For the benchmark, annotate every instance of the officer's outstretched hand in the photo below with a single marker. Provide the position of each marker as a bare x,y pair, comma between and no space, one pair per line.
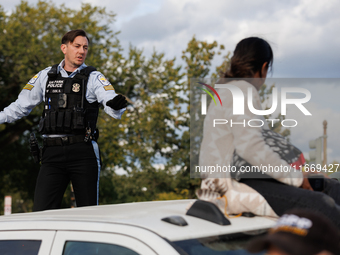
117,103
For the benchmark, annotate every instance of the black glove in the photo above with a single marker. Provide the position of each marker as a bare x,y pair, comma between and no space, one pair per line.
117,103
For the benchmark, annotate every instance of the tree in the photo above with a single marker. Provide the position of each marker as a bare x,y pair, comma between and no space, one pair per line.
154,140
198,56
149,134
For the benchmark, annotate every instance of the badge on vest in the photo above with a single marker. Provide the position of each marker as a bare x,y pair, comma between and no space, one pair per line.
76,87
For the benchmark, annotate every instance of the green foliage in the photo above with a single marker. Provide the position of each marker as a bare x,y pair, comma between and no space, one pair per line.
18,175
147,142
183,194
220,70
198,56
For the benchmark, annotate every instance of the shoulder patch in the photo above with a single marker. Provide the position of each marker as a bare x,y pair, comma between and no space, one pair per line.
109,87
103,80
35,77
28,87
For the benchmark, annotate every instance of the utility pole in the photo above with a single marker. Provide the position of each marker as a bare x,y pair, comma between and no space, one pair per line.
324,143
315,156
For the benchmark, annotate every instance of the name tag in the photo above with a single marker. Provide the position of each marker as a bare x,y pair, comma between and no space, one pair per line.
56,86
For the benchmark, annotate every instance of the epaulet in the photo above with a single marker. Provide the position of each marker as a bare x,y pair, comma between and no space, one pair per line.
53,71
87,70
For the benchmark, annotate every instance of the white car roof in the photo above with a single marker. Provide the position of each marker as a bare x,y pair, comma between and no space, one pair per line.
146,215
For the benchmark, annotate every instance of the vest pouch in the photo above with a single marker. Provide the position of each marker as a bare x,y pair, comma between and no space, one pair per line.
60,121
78,119
68,119
53,121
47,122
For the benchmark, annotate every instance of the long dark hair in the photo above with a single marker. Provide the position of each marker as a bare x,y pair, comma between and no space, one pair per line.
249,56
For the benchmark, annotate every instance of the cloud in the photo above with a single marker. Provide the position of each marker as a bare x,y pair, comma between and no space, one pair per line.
122,8
301,32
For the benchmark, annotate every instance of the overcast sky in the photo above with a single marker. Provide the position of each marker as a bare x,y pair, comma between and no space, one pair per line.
304,34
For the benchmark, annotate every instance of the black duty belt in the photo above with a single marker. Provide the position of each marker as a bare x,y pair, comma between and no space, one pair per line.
59,141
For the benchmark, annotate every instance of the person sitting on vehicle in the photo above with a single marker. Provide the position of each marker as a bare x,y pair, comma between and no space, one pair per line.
239,145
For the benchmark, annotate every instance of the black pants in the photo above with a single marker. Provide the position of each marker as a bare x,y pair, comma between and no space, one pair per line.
282,197
78,163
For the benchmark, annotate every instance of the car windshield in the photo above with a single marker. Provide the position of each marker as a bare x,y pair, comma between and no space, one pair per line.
232,244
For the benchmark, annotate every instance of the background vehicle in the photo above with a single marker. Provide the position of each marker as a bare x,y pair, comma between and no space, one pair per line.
145,228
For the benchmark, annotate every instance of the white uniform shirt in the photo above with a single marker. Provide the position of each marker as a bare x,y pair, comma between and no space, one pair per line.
98,89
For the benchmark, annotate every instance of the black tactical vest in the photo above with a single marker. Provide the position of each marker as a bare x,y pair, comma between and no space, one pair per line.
66,110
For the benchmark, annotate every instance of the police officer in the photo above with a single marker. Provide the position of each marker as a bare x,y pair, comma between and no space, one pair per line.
71,92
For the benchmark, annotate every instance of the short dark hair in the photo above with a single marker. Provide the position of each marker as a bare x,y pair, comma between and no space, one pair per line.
71,35
249,56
